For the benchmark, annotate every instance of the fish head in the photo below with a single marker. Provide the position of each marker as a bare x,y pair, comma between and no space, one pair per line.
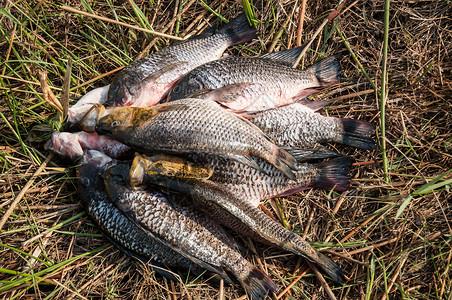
93,163
115,121
167,166
187,87
125,89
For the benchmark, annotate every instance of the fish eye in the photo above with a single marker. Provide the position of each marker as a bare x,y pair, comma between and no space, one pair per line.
176,89
169,174
85,181
115,123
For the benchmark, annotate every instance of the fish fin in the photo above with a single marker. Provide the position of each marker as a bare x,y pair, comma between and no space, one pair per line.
356,134
225,94
309,155
314,105
246,160
158,74
285,162
327,71
258,284
286,57
239,31
330,268
334,174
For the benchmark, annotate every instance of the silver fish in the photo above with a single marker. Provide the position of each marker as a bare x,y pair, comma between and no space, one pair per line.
188,231
188,126
146,81
243,181
114,224
297,125
238,214
250,84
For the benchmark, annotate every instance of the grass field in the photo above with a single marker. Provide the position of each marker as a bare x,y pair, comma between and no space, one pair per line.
390,233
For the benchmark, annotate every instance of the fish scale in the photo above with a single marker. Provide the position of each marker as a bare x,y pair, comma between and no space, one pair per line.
188,230
177,127
297,125
115,225
260,83
146,81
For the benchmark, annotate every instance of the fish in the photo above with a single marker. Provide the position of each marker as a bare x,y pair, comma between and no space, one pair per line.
117,228
297,125
73,144
243,181
238,214
187,230
251,84
146,81
188,126
79,109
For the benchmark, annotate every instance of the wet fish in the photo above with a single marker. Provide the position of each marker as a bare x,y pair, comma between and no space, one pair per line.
79,109
238,214
72,144
298,125
187,230
146,81
243,181
118,229
250,84
188,126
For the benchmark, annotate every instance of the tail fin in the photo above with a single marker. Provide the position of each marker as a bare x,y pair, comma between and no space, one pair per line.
239,30
257,285
334,174
327,70
284,162
357,134
330,268
309,155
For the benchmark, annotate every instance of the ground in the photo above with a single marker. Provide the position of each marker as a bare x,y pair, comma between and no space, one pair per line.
390,233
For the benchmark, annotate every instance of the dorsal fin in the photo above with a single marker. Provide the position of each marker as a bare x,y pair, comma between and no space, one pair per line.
286,57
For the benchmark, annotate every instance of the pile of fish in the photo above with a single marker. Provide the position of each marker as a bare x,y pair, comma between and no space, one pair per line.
185,141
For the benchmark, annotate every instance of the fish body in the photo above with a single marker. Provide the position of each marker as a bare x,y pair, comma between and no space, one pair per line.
146,81
238,214
189,126
250,84
188,231
299,126
243,181
114,224
72,144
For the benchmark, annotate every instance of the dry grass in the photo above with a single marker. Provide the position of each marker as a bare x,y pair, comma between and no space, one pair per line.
393,240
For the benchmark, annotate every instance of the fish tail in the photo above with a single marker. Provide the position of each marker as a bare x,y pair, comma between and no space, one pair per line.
239,30
357,134
328,70
283,161
330,268
334,174
258,284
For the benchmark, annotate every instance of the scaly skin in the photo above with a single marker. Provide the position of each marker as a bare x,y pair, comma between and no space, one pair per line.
115,225
238,214
146,81
189,231
188,126
257,83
